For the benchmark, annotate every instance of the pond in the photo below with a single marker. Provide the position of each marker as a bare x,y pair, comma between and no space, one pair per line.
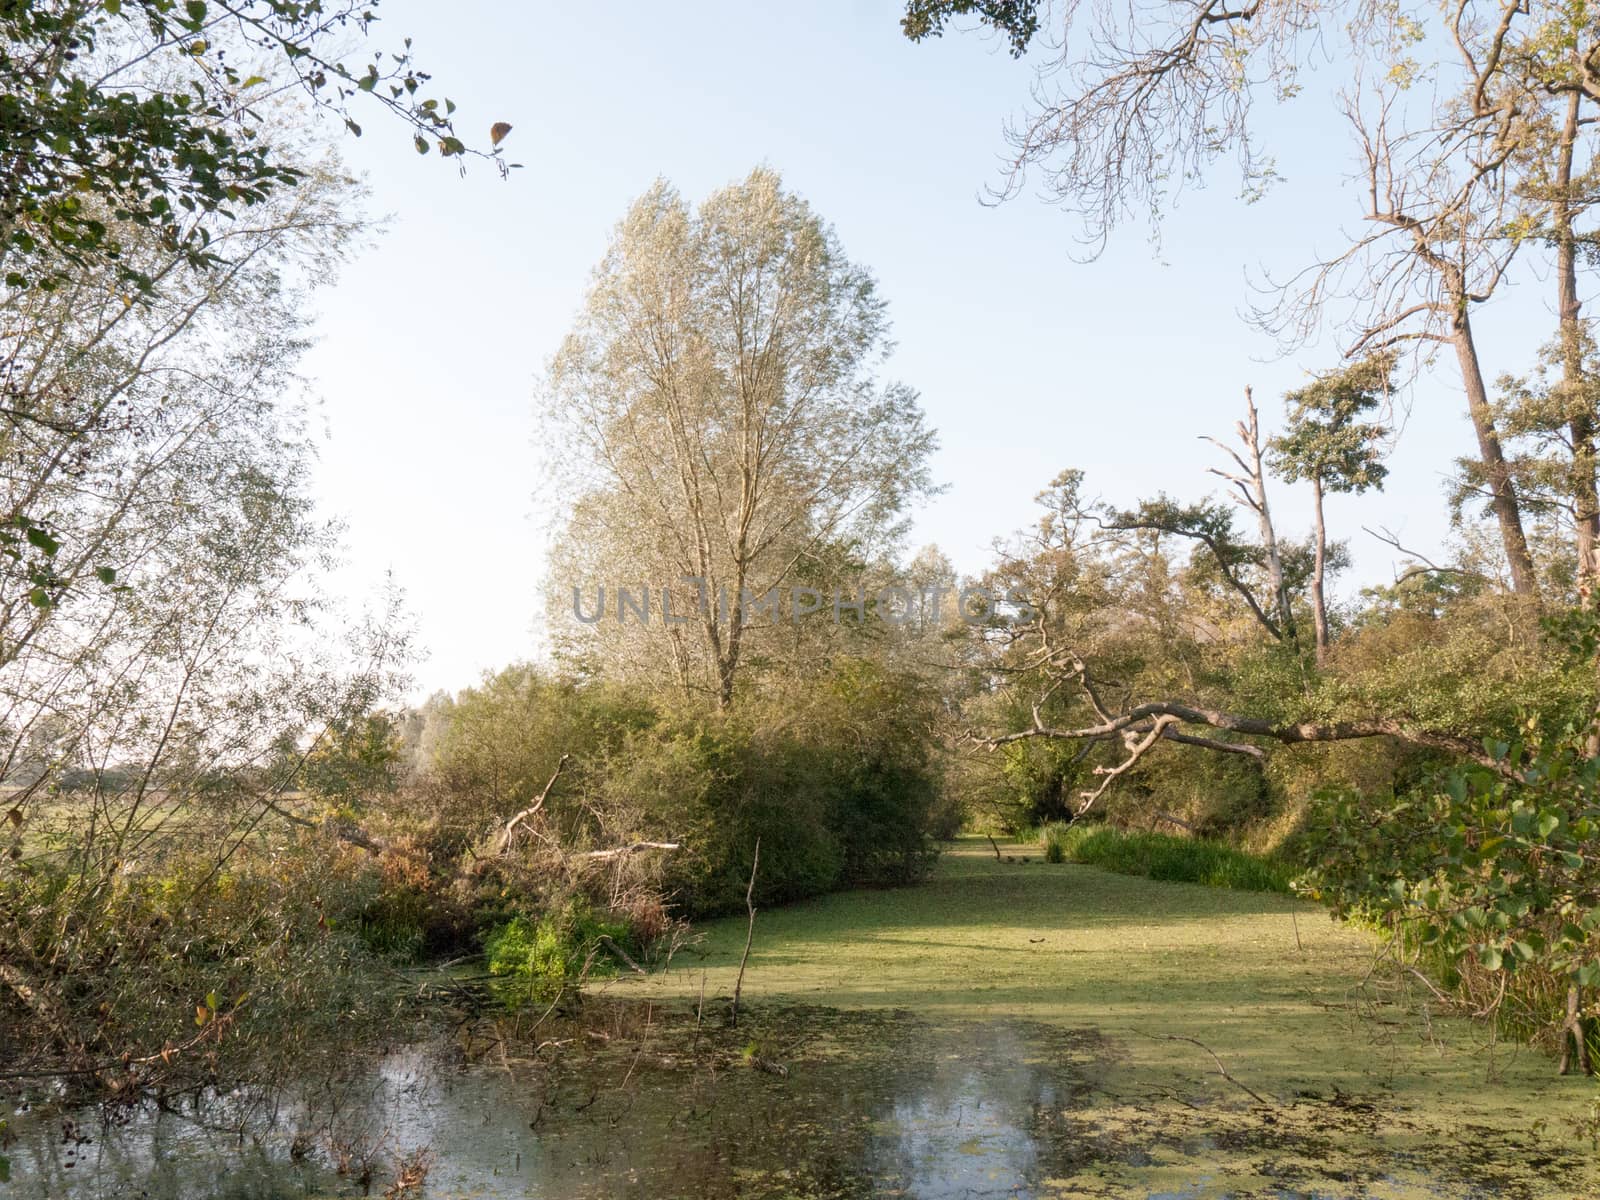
642,1100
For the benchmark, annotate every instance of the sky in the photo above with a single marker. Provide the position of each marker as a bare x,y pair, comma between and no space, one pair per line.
431,343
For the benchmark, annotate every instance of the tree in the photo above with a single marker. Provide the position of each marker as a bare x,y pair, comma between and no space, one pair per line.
1251,491
1330,447
724,430
358,757
137,114
1134,103
184,666
1017,19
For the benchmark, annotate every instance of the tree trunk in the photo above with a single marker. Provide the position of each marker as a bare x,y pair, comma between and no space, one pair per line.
1502,493
1269,535
1319,605
1574,388
1574,1037
1580,417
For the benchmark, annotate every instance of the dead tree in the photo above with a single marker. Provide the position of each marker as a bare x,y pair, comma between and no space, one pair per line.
1437,203
1251,491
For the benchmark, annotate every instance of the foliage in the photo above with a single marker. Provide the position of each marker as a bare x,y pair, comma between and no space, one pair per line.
1017,19
549,953
1326,440
256,969
1053,840
841,783
1495,871
357,757
736,344
1172,859
136,115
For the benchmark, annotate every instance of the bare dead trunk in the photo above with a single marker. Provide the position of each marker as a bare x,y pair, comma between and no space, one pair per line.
1502,493
1319,605
1269,535
1574,389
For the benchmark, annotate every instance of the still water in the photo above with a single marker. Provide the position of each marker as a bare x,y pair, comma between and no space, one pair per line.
641,1102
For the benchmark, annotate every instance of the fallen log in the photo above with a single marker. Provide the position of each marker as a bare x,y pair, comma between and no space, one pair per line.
609,944
624,851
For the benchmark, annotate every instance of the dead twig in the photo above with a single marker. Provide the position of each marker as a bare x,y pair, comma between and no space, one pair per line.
750,933
1221,1067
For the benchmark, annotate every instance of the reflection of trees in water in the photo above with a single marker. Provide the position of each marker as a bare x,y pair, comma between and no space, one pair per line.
984,1119
871,1099
246,1143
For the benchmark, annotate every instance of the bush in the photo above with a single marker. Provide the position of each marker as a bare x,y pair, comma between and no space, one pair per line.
1172,859
840,786
557,949
1488,869
258,966
1053,840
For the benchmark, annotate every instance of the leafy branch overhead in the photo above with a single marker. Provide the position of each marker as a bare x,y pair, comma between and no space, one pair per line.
154,113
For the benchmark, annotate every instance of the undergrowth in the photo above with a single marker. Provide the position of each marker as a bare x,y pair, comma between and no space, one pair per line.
1163,857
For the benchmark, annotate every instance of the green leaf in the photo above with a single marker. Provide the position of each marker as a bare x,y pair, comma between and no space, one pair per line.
5,1163
253,81
113,7
1489,956
421,143
41,539
39,598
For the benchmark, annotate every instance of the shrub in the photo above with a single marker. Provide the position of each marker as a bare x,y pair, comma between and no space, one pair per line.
1053,840
841,787
258,966
549,953
1172,859
1488,869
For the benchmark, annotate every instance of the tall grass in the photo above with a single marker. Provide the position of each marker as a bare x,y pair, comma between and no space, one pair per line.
1161,856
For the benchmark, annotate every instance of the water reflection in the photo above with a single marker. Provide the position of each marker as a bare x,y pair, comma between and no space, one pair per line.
873,1104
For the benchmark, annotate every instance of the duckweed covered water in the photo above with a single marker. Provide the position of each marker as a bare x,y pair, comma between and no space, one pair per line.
1004,1031
634,1101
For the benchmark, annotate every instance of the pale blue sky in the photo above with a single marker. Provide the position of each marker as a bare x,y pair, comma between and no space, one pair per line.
1028,362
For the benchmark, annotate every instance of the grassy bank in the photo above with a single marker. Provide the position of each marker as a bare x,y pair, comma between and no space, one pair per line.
1283,996
1163,857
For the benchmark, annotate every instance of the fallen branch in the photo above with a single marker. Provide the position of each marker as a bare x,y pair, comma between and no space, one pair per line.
606,941
1146,718
750,933
624,851
1222,1069
503,843
1181,824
